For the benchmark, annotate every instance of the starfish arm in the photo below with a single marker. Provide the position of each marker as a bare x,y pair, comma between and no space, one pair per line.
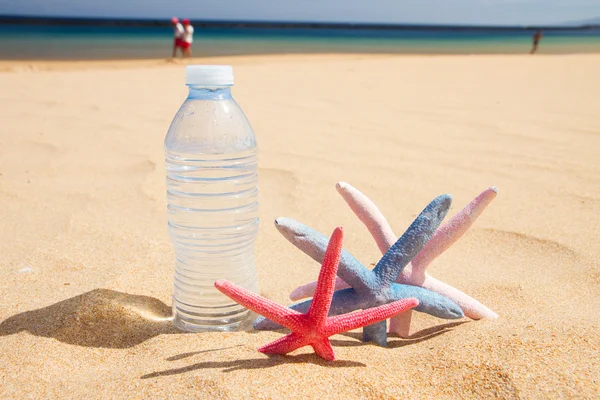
429,302
308,289
285,344
321,302
347,322
470,307
265,324
376,333
400,324
314,244
281,314
323,349
412,241
452,230
343,301
441,240
368,213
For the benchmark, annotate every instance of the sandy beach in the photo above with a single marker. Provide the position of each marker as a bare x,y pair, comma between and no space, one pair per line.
87,265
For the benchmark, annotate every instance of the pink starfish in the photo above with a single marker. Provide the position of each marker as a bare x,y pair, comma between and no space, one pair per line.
314,327
414,273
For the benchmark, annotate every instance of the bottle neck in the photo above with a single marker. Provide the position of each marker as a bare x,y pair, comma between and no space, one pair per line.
209,92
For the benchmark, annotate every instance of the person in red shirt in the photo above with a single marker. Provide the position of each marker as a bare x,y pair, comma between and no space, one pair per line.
188,38
178,35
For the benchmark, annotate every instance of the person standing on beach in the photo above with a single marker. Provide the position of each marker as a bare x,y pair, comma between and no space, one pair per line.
188,38
178,35
536,40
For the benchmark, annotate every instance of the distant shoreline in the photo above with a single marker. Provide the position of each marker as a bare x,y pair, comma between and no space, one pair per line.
8,19
28,38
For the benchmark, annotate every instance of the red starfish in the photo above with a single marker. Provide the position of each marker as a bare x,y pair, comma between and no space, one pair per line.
314,327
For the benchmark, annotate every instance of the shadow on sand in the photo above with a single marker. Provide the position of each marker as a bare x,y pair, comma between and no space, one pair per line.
273,360
99,318
267,361
395,341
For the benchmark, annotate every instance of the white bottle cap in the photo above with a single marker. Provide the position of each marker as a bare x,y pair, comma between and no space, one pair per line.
209,75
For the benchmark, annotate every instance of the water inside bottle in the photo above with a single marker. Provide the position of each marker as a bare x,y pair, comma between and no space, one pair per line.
213,222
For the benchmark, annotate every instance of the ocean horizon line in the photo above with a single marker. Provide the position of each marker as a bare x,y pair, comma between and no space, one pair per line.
211,23
109,38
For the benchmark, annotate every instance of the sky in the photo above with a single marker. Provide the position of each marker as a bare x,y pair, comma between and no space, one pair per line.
470,12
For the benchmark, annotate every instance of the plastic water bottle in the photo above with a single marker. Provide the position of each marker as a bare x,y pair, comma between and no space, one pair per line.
212,195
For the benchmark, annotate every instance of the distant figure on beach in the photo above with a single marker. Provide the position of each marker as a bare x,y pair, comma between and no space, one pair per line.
536,40
188,38
178,36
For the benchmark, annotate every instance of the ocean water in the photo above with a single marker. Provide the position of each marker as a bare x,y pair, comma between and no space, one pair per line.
70,42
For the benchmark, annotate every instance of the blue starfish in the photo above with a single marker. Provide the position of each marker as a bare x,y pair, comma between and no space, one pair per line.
376,287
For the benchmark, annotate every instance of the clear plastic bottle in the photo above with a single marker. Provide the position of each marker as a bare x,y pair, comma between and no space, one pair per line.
212,195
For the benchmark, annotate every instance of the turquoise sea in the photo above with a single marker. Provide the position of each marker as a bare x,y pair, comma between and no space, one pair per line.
23,41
